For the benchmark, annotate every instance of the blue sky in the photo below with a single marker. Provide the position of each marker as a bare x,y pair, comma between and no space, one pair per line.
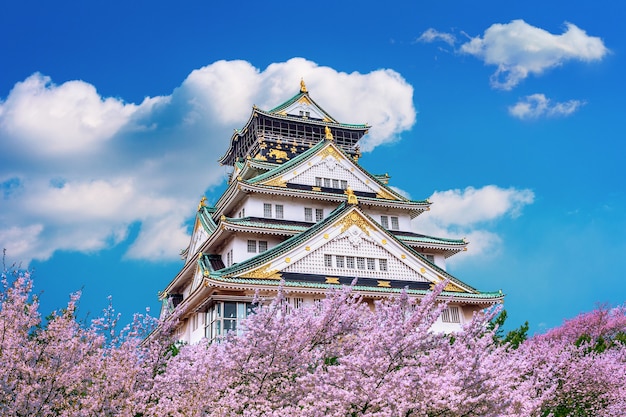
508,116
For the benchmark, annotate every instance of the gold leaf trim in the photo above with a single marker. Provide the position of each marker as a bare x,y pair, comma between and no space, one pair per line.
277,182
385,284
385,195
453,288
354,219
332,280
263,273
330,151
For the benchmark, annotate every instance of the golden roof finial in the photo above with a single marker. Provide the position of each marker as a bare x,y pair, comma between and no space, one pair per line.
302,86
329,134
202,203
351,197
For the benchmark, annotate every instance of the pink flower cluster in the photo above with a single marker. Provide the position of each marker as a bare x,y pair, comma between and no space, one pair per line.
341,358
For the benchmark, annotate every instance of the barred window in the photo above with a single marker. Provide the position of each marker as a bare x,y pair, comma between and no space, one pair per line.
327,182
319,214
344,184
394,223
360,263
251,246
335,183
382,264
350,262
308,214
318,181
262,246
267,210
384,221
371,264
278,208
328,261
451,315
297,302
341,261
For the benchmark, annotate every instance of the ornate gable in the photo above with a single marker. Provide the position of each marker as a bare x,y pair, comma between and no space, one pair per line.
329,168
348,246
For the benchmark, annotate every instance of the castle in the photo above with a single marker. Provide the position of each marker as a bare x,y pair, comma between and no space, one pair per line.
300,210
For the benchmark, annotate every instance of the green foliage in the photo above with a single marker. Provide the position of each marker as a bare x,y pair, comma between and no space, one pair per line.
514,338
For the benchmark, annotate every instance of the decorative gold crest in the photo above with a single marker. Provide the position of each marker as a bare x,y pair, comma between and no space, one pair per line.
263,273
385,284
331,151
354,219
332,280
277,182
453,288
385,195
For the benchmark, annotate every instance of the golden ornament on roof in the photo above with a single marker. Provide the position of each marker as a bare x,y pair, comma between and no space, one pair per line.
202,203
329,134
302,86
351,197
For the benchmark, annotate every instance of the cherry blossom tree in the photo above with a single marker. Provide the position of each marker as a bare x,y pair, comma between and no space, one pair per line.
341,357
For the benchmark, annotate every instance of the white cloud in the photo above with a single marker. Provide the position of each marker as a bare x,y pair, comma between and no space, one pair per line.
471,213
431,35
538,105
78,169
519,49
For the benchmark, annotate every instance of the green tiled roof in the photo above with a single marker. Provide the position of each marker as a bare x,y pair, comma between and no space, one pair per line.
297,97
255,222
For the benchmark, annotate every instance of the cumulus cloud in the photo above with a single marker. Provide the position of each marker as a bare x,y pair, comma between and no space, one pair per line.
468,213
431,35
79,169
538,105
518,49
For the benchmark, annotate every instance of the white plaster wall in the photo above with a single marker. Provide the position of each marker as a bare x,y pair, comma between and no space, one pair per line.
404,220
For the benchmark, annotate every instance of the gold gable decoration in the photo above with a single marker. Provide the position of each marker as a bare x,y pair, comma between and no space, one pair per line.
354,219
385,195
302,86
453,288
263,273
277,182
330,151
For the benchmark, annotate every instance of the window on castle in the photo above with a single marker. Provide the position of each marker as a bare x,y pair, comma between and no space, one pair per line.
267,210
251,246
344,184
308,214
297,302
318,182
262,246
382,264
360,263
451,315
384,222
319,215
341,261
335,183
278,210
328,261
350,262
430,257
371,264
224,317
229,258
327,182
395,225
